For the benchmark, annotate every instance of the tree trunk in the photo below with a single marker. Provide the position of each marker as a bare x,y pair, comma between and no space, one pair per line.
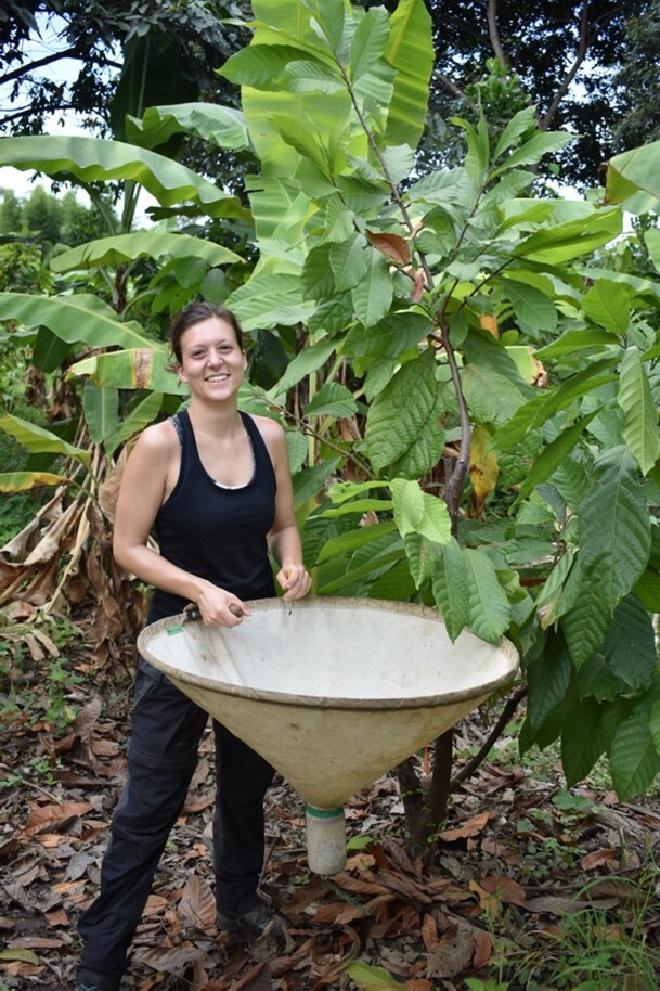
415,808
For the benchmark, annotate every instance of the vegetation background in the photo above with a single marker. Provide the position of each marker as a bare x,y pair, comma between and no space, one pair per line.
452,306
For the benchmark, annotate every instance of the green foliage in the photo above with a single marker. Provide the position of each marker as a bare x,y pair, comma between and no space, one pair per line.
368,314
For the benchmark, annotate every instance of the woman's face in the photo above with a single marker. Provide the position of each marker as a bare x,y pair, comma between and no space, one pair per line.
212,363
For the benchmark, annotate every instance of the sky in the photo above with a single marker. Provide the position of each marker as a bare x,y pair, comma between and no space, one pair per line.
22,182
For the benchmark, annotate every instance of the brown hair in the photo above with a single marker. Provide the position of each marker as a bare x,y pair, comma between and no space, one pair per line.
195,313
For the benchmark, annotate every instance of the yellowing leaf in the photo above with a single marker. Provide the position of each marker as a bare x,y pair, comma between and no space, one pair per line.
483,465
19,481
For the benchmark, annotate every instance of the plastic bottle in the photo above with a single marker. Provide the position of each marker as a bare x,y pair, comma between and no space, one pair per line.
326,840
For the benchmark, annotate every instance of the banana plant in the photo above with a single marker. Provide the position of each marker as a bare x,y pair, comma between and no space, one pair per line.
118,365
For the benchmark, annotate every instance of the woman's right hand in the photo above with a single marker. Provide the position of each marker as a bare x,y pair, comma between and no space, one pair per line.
218,607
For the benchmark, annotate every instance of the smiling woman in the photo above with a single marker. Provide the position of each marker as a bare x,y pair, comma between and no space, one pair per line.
214,484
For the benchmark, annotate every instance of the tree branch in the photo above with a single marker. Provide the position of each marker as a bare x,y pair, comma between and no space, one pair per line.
5,118
449,85
494,33
303,426
572,72
22,70
507,713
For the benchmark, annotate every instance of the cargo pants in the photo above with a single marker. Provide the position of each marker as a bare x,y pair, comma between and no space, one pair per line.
166,728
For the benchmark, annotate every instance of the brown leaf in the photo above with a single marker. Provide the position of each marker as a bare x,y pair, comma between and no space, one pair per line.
483,948
257,978
505,888
105,748
87,717
419,984
361,862
470,828
197,905
454,953
397,853
57,918
488,902
378,905
430,933
19,611
326,913
173,961
419,280
36,943
64,744
33,645
391,245
404,886
598,857
156,904
360,887
45,640
350,914
198,805
42,816
50,841
280,965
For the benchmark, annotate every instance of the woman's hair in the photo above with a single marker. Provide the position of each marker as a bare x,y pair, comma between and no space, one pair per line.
195,313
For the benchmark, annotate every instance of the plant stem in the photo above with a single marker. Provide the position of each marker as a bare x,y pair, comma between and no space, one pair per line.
507,712
456,482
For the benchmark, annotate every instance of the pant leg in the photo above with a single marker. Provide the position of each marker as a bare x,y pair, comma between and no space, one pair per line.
238,829
162,754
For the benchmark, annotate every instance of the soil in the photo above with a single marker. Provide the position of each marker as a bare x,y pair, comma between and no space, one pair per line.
529,885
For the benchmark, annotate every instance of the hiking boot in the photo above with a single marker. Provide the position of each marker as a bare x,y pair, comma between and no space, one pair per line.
93,980
263,928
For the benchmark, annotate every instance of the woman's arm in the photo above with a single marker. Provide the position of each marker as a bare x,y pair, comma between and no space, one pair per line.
284,537
141,493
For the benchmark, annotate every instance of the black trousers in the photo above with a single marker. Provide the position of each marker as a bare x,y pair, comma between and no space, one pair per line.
165,731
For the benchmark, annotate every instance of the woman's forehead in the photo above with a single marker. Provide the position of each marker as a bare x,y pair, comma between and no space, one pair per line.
211,331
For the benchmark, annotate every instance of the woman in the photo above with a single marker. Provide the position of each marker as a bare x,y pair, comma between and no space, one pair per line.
215,486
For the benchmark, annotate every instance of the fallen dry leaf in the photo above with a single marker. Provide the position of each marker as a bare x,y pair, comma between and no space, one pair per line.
430,933
41,816
483,948
505,888
470,828
197,906
173,961
598,857
155,905
57,918
454,953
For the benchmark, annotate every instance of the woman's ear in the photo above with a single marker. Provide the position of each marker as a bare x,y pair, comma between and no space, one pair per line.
180,373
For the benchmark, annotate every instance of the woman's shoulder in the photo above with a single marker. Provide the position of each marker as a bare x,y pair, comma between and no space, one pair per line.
158,439
270,430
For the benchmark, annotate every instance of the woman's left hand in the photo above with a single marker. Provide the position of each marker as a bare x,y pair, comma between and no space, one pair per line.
295,581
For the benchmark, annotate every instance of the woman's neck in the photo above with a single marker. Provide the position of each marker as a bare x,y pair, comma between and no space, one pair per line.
214,419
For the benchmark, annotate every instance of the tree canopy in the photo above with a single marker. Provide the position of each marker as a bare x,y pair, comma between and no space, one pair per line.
587,67
572,59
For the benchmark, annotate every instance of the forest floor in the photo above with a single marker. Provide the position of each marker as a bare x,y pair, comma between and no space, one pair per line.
530,885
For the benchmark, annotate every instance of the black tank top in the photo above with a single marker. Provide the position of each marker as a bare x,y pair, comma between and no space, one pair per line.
214,532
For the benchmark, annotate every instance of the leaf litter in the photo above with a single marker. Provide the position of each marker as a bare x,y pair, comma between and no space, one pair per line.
516,856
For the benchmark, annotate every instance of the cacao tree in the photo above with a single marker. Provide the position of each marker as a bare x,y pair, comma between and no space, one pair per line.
468,381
